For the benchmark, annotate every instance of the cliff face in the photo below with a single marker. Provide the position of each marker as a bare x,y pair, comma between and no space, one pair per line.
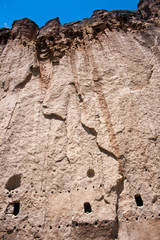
80,134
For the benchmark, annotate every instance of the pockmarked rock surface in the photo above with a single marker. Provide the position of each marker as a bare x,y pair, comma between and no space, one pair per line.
80,127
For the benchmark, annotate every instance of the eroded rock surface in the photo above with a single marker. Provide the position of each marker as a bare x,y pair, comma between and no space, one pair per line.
80,133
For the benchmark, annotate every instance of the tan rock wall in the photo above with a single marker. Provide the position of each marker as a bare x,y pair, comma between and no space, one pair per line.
79,140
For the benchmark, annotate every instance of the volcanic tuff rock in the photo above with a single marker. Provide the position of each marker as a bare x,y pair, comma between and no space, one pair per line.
80,132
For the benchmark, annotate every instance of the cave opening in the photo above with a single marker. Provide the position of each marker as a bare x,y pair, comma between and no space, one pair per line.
16,208
87,207
138,200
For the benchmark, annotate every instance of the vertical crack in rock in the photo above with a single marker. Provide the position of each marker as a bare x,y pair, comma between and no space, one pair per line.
10,119
102,102
106,113
8,125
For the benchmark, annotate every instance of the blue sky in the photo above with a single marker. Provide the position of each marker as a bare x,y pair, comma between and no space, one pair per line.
41,11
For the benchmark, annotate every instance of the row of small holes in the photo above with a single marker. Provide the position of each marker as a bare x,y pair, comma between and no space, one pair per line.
127,219
74,225
55,192
82,224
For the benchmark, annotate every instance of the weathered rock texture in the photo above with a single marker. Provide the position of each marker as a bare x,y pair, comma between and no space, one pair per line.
80,128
